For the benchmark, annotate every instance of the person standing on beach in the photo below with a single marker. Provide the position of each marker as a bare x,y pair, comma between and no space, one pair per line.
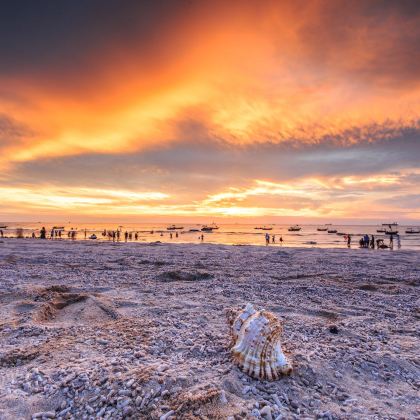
136,236
273,239
125,236
281,240
398,241
267,238
372,242
1,233
391,241
43,233
348,241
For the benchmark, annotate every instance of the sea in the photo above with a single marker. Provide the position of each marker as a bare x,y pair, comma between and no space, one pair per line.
230,234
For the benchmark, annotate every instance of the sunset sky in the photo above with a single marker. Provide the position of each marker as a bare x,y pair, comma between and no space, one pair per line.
210,110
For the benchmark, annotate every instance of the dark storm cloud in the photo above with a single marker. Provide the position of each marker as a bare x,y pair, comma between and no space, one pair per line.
373,41
65,35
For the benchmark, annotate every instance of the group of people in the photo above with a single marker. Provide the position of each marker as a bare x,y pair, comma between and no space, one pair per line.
273,239
369,242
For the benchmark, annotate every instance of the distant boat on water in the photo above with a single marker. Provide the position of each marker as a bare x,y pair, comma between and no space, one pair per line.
321,229
206,228
295,228
332,230
174,227
412,230
380,230
58,227
3,227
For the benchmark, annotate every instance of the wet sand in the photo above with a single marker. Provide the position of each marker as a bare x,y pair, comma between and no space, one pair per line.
117,330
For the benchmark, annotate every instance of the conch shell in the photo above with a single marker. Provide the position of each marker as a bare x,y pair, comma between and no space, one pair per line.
256,345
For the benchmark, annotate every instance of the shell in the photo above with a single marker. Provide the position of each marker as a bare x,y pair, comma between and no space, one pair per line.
256,347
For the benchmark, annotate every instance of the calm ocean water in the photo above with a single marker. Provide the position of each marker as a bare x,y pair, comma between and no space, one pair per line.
232,234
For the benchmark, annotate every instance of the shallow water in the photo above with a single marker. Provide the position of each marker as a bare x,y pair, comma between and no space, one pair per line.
232,234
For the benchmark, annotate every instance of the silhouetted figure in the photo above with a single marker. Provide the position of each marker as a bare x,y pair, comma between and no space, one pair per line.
267,238
348,241
43,233
1,233
391,241
33,235
273,239
126,236
136,236
372,242
398,241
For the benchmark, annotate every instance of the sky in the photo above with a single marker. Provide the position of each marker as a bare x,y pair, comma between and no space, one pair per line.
305,111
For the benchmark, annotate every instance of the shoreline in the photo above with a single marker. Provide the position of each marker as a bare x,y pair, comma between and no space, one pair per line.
139,242
141,331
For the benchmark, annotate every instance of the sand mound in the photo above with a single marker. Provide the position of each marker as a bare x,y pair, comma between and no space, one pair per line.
74,309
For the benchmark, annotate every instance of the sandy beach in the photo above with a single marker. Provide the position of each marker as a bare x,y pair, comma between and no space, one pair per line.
116,330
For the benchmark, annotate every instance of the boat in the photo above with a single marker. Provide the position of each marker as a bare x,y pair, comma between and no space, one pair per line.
322,229
3,227
341,233
206,228
295,228
412,230
194,230
391,232
267,228
390,224
174,227
332,231
58,227
380,230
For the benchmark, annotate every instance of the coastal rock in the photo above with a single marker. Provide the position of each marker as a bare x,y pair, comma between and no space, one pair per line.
256,344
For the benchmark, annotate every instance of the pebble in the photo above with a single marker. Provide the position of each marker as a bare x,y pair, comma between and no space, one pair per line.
167,415
266,412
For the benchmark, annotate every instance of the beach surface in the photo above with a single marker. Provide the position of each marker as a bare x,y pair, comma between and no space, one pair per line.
136,330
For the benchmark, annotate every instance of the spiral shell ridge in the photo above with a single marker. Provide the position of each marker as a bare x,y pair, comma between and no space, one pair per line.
256,344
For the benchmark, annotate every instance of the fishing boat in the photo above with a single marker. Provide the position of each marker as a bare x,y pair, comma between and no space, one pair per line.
295,228
390,224
412,230
3,227
391,232
321,229
266,228
380,230
332,231
206,228
194,230
174,227
58,227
